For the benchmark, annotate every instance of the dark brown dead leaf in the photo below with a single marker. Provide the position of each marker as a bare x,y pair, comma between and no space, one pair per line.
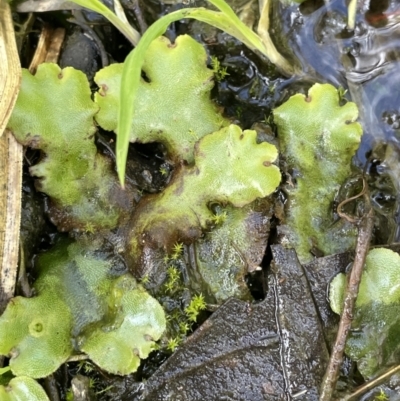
252,352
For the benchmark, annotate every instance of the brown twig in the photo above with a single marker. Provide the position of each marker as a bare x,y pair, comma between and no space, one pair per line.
348,200
371,384
365,226
48,47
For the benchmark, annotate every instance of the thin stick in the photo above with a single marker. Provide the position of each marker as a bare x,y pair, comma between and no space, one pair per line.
365,226
351,14
10,214
76,358
371,384
348,200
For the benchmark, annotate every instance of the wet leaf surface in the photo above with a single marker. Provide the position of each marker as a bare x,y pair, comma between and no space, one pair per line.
251,352
221,259
319,274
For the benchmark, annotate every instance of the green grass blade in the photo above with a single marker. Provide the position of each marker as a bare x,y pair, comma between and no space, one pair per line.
235,28
130,81
225,8
225,19
132,70
95,5
4,370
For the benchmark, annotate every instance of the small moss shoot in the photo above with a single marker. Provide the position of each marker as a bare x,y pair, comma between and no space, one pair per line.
180,318
381,396
177,250
196,305
173,343
219,72
163,171
69,395
219,218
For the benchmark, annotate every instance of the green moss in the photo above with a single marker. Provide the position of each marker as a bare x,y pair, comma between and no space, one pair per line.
230,168
318,138
86,299
373,342
173,104
54,113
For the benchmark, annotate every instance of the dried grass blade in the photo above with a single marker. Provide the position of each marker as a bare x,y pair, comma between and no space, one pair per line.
10,68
